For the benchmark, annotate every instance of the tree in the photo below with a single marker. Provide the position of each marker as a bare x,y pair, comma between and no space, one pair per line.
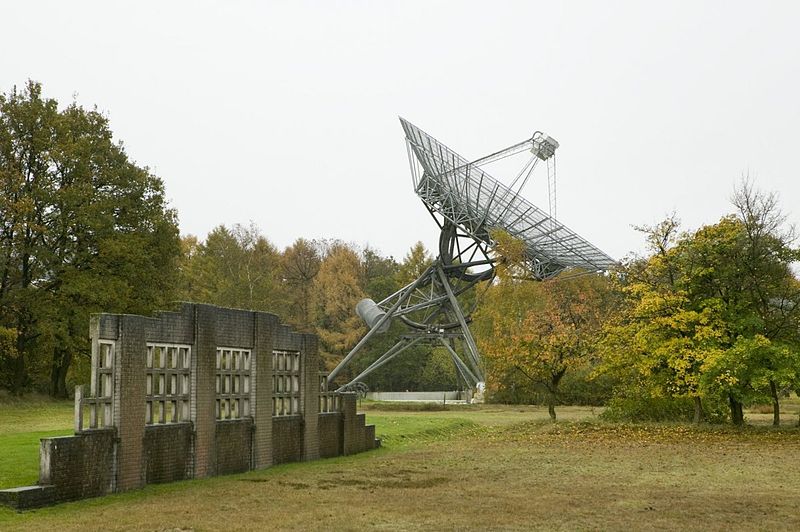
439,373
381,277
660,339
414,264
235,267
299,266
190,278
83,229
751,369
380,274
774,290
742,265
8,356
336,290
540,329
714,313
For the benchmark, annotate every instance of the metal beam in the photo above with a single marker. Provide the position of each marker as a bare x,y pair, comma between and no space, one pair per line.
462,367
346,360
384,358
472,349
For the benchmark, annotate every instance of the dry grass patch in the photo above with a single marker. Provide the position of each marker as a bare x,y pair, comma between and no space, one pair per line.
453,473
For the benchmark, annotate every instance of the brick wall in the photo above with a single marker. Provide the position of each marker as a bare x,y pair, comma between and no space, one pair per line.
132,452
129,405
265,325
233,446
203,389
330,435
78,466
310,396
287,439
356,435
168,453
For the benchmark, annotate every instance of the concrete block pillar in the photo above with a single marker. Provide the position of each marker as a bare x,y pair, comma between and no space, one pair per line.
350,435
261,393
129,408
204,353
309,397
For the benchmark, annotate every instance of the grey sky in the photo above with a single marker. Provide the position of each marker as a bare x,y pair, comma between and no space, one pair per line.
285,113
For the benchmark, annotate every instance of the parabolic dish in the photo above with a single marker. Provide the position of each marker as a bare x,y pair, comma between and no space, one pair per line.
477,203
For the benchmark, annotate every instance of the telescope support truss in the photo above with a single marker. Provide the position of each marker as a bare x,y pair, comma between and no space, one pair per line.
431,311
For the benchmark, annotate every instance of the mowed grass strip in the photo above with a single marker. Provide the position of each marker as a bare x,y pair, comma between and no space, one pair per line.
34,413
23,422
456,470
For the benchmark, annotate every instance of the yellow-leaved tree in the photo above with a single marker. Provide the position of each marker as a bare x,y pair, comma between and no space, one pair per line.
540,329
336,290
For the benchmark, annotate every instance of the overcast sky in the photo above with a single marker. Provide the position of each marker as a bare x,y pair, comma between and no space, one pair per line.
285,113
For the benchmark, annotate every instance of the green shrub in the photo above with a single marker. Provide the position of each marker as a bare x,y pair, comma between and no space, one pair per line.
577,388
645,408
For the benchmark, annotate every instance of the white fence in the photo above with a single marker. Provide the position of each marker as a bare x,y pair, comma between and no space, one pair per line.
425,397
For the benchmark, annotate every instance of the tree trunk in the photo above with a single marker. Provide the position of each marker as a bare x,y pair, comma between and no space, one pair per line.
551,407
19,376
737,414
62,359
776,407
699,415
552,393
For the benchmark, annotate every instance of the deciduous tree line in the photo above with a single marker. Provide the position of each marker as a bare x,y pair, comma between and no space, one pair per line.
710,316
314,286
83,229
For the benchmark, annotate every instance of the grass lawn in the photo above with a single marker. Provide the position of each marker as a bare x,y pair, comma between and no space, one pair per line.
491,467
23,422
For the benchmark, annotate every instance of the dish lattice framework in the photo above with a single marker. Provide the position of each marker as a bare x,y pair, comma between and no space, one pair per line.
477,203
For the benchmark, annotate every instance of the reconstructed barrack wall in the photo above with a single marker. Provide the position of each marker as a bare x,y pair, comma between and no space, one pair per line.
189,394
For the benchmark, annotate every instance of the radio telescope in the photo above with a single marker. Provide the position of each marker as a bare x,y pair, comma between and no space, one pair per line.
467,205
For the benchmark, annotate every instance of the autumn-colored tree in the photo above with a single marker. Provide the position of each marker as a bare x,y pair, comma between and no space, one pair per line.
660,340
336,290
540,329
714,313
300,265
414,263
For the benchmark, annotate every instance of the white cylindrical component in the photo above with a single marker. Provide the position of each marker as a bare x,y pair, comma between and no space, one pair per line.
371,313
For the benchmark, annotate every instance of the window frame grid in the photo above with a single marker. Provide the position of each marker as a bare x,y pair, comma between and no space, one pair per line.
100,402
234,403
285,402
329,402
175,396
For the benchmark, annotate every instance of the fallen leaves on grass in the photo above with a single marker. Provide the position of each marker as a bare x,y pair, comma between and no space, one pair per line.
645,434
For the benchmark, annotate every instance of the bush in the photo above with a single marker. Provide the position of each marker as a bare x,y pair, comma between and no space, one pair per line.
8,356
577,388
644,408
